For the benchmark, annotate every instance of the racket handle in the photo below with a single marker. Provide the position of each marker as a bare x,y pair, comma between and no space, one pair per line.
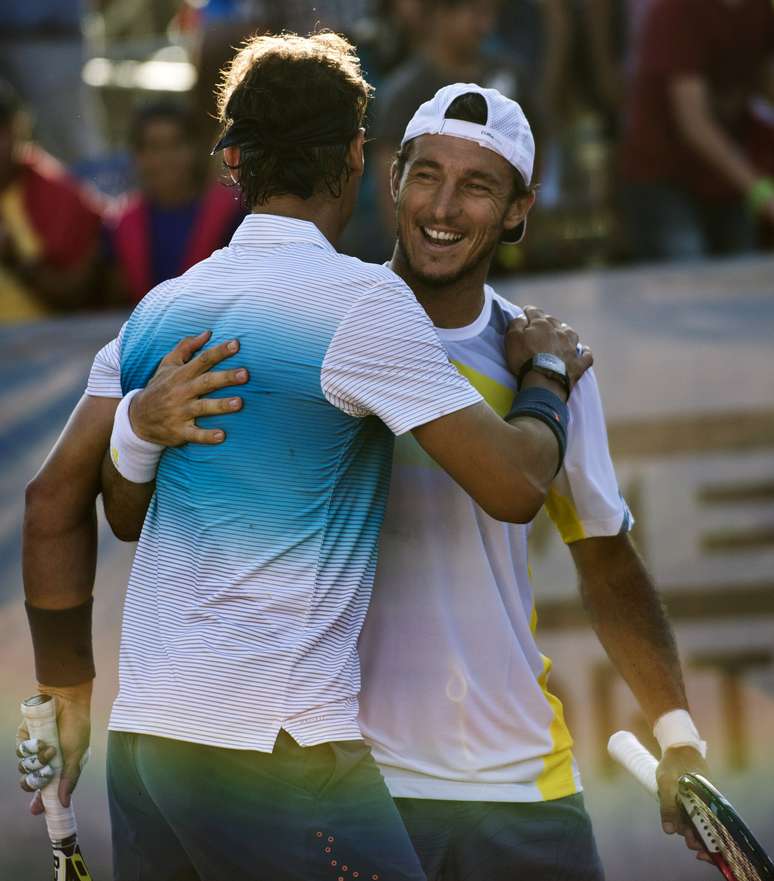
624,747
39,712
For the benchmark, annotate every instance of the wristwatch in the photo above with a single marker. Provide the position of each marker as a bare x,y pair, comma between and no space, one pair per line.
550,366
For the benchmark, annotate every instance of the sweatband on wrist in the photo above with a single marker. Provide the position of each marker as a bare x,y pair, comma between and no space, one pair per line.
760,193
61,640
135,459
550,409
676,728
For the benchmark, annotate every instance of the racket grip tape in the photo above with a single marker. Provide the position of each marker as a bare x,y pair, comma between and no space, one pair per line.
624,747
39,713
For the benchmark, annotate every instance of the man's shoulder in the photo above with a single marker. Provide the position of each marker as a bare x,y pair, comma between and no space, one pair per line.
153,303
363,278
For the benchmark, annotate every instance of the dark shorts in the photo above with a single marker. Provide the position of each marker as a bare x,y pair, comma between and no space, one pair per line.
184,812
503,841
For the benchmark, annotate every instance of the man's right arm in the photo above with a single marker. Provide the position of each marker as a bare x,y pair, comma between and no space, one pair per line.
386,359
508,467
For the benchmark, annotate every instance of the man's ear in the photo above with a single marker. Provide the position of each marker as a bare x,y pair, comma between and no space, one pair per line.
394,180
232,156
518,210
355,157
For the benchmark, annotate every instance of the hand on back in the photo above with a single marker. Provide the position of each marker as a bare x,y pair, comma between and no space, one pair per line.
165,411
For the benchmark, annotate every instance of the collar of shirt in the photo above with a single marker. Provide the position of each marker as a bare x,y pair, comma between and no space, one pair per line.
274,229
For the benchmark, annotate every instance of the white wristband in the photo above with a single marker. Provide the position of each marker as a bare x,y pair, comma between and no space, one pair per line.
676,728
135,459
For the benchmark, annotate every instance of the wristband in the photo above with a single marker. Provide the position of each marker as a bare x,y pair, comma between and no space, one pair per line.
550,409
760,193
135,459
61,640
676,728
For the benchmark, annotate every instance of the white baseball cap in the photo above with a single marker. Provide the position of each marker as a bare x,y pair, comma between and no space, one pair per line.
506,131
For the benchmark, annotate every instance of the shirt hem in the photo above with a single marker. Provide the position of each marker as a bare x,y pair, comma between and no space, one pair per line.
436,789
94,393
334,731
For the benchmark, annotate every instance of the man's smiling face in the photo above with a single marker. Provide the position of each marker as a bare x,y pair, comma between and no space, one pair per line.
453,200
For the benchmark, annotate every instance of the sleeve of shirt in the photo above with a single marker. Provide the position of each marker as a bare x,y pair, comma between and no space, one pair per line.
386,360
584,500
105,375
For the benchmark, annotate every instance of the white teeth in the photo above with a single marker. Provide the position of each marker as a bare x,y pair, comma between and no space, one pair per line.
441,236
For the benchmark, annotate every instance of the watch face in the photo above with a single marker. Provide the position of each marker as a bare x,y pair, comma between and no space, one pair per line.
550,362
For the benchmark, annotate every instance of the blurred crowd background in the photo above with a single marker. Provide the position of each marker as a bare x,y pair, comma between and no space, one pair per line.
654,121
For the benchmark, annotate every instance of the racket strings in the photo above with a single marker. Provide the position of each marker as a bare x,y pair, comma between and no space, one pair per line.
704,819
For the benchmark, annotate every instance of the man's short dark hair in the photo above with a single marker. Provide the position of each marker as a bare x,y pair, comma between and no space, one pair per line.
294,104
470,107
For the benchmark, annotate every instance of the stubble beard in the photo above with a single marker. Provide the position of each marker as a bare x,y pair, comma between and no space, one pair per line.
441,281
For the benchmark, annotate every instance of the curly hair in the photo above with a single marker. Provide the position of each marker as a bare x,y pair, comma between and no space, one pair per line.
293,105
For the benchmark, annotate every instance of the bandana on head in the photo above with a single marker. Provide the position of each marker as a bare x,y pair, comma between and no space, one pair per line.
250,132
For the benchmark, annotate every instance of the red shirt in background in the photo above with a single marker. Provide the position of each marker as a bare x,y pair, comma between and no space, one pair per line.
725,44
65,217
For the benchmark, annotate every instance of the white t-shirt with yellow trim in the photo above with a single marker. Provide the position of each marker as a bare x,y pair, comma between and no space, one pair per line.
455,701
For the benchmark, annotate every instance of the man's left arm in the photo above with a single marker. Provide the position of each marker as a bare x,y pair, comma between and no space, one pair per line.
619,595
630,621
629,618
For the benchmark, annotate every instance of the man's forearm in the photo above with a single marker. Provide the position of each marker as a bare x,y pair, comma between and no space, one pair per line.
58,562
630,621
59,537
126,503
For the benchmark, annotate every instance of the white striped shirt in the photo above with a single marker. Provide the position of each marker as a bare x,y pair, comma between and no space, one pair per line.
255,564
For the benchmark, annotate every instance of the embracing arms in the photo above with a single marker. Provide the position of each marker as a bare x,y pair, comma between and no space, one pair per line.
508,466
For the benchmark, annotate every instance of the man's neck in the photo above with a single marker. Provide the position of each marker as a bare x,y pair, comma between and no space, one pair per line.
325,214
454,305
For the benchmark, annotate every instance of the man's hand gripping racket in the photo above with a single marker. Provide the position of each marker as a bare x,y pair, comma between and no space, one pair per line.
730,844
39,713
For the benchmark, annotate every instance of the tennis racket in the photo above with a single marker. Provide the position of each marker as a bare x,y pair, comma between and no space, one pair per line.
725,836
39,712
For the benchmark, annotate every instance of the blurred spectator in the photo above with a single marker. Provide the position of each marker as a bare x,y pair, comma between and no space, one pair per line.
42,53
450,48
177,218
388,36
691,187
49,227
